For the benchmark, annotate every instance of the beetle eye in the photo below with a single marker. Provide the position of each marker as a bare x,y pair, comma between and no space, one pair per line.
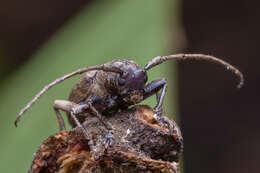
121,81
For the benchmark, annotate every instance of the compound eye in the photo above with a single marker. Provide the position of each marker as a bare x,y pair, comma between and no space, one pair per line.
121,81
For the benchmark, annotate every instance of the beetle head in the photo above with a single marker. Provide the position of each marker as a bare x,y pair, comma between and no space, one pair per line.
133,80
131,85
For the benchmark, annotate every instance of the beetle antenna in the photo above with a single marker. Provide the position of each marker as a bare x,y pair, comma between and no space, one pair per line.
61,79
160,59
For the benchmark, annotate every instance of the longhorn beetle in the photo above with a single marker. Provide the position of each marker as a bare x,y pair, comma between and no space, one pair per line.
112,86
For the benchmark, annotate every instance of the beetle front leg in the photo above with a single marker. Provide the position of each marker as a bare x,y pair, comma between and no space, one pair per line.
154,87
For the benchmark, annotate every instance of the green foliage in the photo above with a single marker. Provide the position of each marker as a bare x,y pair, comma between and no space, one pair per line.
138,30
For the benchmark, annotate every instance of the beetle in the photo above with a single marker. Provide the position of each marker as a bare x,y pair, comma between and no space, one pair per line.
113,86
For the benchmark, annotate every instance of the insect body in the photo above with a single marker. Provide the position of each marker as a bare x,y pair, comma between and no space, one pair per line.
109,91
112,86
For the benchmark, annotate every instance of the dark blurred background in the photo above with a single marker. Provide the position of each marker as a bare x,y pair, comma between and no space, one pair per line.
26,25
220,123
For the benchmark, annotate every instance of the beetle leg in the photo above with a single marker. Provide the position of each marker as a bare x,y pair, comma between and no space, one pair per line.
154,87
100,117
73,108
89,104
157,96
109,134
109,139
60,119
65,106
85,131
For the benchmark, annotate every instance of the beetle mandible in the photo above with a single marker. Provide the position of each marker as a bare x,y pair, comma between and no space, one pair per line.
112,86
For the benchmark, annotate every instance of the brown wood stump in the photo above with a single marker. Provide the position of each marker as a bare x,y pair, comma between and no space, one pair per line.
140,145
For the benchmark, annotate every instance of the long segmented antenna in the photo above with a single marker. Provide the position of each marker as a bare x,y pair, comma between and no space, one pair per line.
160,59
61,79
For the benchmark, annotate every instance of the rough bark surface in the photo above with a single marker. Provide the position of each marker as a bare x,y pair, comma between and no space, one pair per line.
140,145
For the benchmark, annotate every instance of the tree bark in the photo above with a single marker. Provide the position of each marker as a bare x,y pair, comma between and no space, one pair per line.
141,144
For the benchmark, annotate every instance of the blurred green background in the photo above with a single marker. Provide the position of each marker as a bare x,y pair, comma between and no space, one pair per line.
138,30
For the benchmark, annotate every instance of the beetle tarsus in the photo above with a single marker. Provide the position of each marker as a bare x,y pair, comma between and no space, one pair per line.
158,115
109,139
